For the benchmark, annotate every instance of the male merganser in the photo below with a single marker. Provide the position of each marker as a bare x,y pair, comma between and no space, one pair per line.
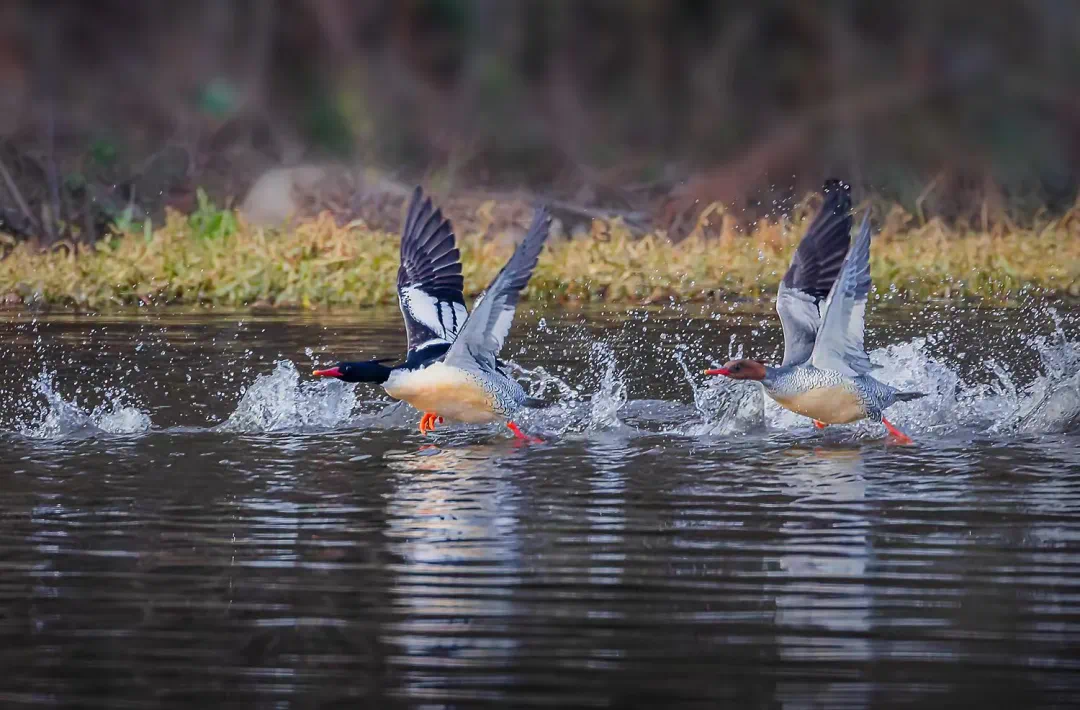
471,386
468,385
824,374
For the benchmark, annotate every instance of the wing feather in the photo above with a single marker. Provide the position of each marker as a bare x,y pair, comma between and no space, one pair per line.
429,280
813,271
485,331
839,345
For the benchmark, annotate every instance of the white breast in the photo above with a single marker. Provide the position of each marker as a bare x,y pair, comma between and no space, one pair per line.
450,392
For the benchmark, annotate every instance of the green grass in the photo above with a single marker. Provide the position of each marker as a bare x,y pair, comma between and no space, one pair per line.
213,257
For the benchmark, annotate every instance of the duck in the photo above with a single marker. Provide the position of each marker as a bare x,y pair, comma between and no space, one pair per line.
451,369
825,373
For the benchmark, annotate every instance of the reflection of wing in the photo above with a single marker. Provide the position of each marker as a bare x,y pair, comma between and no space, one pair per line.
482,336
429,278
839,344
812,272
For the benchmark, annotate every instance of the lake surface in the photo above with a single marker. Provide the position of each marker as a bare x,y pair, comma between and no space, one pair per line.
187,517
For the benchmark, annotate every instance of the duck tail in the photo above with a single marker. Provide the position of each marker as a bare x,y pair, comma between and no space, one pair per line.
908,396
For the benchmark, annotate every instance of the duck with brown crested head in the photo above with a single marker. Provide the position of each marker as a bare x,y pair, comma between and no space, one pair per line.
822,306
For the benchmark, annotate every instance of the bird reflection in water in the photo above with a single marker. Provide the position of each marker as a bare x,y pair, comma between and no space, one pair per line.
453,521
829,485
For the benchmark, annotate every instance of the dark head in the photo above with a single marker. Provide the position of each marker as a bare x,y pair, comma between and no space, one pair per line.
367,371
741,370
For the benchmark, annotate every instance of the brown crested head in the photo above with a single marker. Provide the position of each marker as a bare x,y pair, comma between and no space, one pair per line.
741,370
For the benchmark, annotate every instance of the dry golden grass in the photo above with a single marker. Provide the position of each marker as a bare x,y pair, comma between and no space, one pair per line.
215,258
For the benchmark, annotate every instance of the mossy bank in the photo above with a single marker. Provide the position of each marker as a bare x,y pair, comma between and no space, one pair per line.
213,257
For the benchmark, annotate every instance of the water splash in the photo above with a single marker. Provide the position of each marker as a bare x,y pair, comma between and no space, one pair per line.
1031,386
725,406
59,417
1052,402
610,395
280,401
575,410
538,382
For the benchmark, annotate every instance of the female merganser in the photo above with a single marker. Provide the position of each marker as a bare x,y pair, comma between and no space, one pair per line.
471,385
824,374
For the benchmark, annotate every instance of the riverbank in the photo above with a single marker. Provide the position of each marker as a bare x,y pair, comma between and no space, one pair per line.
215,258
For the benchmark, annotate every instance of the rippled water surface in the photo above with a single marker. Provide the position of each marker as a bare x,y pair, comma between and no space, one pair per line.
187,517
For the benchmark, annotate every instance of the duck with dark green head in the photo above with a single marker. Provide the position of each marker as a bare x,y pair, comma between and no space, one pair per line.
471,385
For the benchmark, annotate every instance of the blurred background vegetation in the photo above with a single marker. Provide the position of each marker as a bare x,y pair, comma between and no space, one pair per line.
111,110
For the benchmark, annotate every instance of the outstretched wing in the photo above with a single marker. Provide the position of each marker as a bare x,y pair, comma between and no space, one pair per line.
480,340
429,279
813,271
839,345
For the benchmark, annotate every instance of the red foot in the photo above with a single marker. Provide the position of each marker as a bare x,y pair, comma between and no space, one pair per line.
524,437
820,425
901,437
427,422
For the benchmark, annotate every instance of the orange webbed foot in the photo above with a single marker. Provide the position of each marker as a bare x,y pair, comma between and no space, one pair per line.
427,422
820,425
899,436
518,434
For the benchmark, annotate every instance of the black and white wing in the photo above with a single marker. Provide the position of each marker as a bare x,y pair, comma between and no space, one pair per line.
429,279
813,271
839,344
480,340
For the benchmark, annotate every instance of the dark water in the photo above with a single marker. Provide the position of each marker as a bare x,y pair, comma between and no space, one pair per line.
186,518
